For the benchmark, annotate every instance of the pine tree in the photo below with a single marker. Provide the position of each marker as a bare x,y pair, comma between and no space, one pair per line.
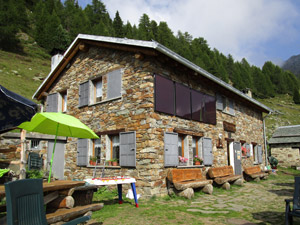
296,96
118,26
144,30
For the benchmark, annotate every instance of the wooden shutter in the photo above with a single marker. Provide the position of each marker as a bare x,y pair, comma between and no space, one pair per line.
171,149
237,158
248,149
52,103
84,94
259,154
128,149
231,106
114,80
219,102
82,152
207,151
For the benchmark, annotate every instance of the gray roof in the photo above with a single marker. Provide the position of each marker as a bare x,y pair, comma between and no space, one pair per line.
286,134
162,49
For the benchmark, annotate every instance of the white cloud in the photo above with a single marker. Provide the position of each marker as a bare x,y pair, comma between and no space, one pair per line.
236,27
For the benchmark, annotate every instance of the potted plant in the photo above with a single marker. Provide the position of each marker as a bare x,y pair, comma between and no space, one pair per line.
198,160
115,162
182,160
93,160
244,151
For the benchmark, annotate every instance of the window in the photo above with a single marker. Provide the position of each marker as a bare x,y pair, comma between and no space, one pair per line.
181,145
183,101
97,90
224,104
63,101
164,95
176,99
115,147
92,91
35,144
195,146
170,149
97,150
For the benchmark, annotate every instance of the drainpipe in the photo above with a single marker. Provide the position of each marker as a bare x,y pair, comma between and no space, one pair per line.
265,138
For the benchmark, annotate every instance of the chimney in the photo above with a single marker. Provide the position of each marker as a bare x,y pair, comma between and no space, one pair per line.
57,55
247,91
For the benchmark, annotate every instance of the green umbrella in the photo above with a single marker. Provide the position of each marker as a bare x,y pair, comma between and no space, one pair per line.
58,124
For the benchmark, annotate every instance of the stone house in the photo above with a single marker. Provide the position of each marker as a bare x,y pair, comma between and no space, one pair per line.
149,106
285,145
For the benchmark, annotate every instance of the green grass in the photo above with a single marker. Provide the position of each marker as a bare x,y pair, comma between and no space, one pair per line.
20,72
253,196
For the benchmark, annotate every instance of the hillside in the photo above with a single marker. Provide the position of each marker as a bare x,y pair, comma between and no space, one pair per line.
293,65
23,73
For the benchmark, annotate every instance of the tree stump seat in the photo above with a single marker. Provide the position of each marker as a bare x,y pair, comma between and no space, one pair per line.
187,178
222,175
254,172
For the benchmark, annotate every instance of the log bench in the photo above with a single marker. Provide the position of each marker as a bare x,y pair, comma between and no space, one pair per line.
184,179
224,176
69,214
254,173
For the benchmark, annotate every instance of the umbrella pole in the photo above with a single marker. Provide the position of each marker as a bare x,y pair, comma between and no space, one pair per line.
49,178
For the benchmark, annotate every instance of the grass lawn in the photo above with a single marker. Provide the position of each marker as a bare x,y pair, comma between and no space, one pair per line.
254,203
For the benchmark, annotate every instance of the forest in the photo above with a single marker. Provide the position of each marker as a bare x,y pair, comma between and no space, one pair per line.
55,24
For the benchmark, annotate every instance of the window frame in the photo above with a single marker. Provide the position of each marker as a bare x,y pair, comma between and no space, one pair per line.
64,101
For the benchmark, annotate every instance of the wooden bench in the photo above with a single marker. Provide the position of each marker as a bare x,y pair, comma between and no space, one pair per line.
69,214
224,175
254,173
183,179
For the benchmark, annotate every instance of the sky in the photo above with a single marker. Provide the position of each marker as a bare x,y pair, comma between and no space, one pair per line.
258,30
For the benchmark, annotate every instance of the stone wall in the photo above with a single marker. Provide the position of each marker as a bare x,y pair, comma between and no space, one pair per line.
134,111
286,155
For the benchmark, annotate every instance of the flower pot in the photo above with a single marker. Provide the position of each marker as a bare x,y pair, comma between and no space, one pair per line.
110,163
197,163
182,163
92,163
115,163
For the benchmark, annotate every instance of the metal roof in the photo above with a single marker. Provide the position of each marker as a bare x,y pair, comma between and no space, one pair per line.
286,134
160,48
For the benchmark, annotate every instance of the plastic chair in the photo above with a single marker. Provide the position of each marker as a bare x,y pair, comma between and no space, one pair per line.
289,213
25,203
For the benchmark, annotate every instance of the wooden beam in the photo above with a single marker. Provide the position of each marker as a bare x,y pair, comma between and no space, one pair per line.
108,132
189,132
83,47
128,48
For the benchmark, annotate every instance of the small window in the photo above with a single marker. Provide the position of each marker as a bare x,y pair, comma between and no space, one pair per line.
97,150
35,145
97,86
195,146
63,101
181,145
115,147
224,104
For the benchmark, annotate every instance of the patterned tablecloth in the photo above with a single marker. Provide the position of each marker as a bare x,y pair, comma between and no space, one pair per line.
110,180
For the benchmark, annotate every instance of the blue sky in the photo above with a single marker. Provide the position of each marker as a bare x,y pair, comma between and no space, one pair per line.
258,30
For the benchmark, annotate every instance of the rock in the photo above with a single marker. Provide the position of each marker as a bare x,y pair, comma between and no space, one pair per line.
208,189
238,182
226,186
257,179
187,193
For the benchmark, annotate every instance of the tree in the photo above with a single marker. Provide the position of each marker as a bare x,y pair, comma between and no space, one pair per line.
296,96
144,30
118,26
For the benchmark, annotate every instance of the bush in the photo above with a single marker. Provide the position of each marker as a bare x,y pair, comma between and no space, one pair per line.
34,174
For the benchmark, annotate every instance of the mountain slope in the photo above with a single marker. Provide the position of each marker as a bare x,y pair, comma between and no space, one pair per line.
293,65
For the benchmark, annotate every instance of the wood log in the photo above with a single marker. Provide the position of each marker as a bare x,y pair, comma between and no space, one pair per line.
67,192
50,197
67,214
63,202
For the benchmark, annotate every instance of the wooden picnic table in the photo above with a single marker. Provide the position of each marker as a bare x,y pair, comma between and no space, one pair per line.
57,185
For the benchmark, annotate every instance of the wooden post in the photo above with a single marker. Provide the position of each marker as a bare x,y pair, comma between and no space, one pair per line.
23,155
